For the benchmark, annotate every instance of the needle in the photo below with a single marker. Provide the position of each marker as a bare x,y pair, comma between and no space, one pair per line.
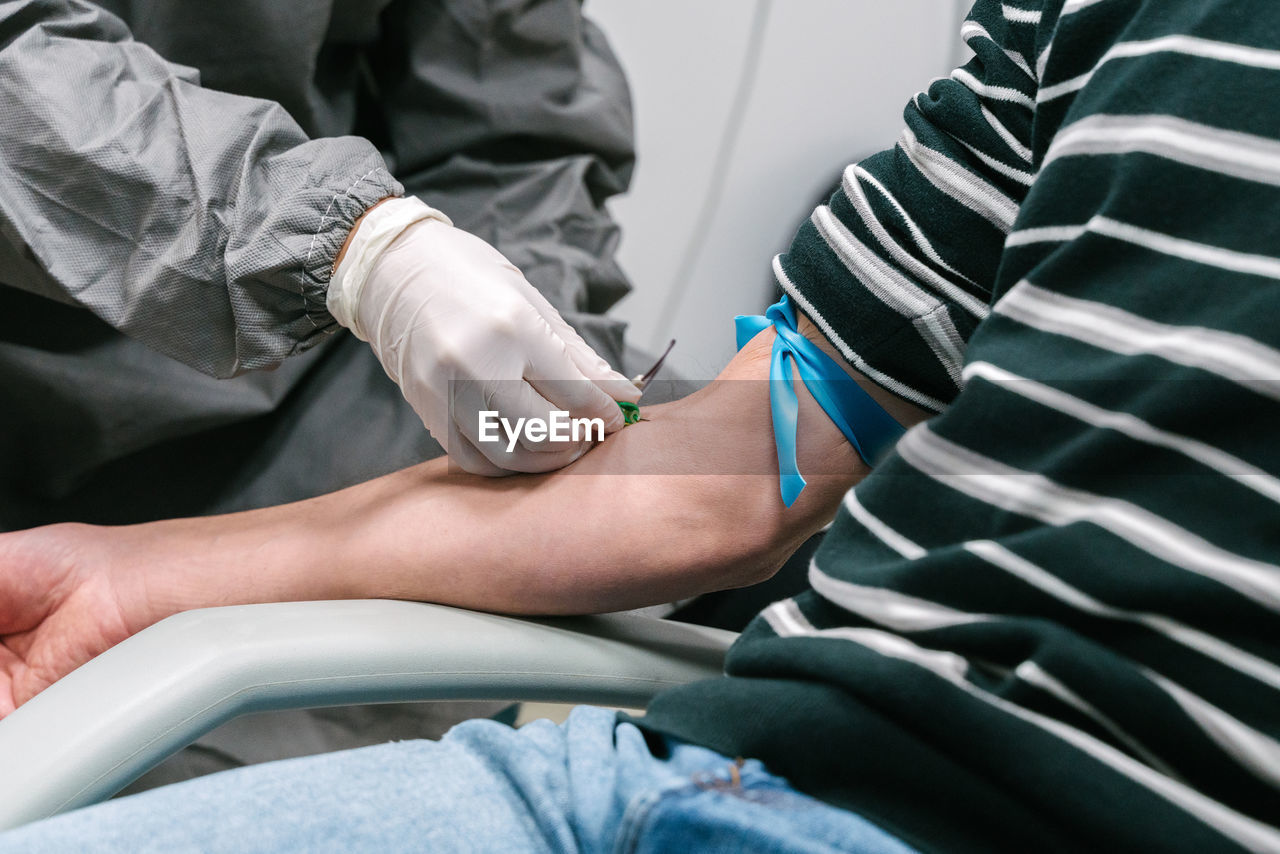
631,411
642,382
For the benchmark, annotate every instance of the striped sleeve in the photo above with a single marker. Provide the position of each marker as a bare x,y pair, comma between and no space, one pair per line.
897,269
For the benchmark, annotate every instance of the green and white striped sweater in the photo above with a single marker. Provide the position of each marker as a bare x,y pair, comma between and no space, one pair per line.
1049,621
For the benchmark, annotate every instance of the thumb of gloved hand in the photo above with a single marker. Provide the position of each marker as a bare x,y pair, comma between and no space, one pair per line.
470,341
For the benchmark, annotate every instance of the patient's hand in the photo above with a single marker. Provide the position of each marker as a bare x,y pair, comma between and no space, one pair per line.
683,503
57,610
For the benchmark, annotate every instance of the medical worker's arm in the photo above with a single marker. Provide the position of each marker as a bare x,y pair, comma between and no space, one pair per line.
516,112
206,225
681,504
201,223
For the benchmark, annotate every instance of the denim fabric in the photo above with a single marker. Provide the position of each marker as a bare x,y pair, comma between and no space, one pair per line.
589,785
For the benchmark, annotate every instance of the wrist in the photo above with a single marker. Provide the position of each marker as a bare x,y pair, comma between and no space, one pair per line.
274,555
346,244
373,233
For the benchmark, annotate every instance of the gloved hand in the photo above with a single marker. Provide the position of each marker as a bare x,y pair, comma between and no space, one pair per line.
460,330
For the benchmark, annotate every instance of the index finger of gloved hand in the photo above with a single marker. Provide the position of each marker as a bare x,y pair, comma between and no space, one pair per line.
551,370
495,417
590,363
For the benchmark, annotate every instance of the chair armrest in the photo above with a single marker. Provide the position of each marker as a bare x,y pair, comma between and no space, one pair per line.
99,728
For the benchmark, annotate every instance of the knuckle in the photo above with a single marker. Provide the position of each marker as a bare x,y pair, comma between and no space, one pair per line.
506,322
450,354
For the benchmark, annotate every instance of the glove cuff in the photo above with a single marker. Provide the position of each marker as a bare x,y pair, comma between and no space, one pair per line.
379,227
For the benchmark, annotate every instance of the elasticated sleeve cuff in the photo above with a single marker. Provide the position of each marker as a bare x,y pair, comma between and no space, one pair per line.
333,226
281,260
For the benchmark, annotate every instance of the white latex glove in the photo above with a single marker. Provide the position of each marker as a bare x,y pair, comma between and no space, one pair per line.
460,330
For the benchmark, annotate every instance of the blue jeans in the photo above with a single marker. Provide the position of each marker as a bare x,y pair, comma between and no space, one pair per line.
589,785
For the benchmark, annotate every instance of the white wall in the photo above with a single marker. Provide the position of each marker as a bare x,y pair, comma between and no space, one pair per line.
818,83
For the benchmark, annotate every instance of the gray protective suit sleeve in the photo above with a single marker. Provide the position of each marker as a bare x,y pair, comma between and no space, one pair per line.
514,117
201,223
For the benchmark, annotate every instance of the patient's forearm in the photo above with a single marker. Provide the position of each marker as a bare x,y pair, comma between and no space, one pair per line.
546,544
569,542
684,502
612,531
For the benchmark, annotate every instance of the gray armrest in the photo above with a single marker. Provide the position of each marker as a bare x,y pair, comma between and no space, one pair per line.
99,728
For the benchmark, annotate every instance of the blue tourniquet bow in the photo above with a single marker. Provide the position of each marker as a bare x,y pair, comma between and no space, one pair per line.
863,422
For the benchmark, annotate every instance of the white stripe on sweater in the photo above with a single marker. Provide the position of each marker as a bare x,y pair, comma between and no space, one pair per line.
1046,582
970,30
899,612
993,93
1072,6
1244,744
1227,152
889,286
940,333
1177,247
1033,674
917,236
1043,234
1254,57
960,184
1235,357
1043,61
787,621
1020,176
927,312
852,188
1015,145
889,608
1020,16
785,618
1246,474
1190,250
880,530
1038,497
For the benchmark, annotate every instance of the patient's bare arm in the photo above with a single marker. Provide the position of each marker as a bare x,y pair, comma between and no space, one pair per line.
659,511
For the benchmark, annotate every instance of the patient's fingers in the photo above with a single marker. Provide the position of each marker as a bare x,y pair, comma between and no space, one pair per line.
10,665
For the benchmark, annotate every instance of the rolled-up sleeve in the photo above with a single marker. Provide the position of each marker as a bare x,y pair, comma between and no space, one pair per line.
201,223
898,268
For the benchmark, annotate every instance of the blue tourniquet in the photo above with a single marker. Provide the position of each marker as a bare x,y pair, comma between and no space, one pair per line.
863,422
